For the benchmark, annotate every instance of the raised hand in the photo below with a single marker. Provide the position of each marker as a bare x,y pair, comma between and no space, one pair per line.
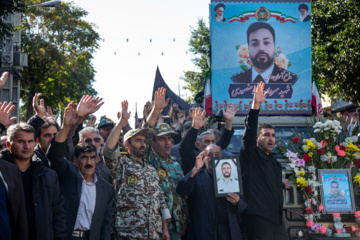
124,115
230,112
39,109
259,95
96,105
159,100
200,161
91,122
3,79
89,105
147,109
5,111
71,116
199,119
181,116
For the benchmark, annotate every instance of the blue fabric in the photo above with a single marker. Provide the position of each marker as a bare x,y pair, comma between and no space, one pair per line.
5,229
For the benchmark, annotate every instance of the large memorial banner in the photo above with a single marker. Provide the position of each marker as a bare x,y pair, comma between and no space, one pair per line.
261,41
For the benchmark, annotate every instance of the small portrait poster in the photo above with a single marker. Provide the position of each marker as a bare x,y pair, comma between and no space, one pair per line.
261,41
336,191
226,175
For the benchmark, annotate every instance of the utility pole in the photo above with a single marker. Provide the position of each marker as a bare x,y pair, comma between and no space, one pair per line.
12,61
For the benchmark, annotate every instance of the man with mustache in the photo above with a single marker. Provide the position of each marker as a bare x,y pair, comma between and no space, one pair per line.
88,198
141,211
226,183
262,176
261,42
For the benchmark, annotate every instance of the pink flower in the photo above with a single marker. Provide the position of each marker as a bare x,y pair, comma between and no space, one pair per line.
357,214
323,230
280,105
245,106
296,104
309,223
221,106
301,162
339,151
353,228
303,104
321,208
291,104
336,214
270,106
338,230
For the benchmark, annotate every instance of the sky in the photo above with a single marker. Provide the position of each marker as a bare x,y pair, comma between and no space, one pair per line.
126,61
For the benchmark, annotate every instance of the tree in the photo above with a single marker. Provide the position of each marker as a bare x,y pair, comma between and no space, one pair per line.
200,46
8,7
336,48
59,44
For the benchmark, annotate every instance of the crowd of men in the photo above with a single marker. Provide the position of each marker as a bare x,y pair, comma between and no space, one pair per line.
113,182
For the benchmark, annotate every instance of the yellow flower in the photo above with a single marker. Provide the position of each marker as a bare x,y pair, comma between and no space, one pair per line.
310,154
301,173
301,182
307,148
357,179
352,148
310,144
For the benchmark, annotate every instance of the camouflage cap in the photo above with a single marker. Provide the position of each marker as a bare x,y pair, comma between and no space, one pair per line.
147,132
163,129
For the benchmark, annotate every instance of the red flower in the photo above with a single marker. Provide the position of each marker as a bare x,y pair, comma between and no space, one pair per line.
296,104
342,148
250,102
265,101
308,189
240,102
280,105
270,106
306,158
336,214
320,152
308,210
216,101
221,106
303,104
286,100
291,104
224,101
301,100
358,162
331,118
245,106
275,101
295,140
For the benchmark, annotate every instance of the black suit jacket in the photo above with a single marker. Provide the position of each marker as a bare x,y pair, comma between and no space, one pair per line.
70,186
308,17
278,75
16,201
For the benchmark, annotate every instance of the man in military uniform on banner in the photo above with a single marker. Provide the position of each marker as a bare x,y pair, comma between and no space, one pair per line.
227,183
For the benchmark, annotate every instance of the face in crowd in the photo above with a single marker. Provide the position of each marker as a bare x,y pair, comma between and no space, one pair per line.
22,147
162,145
86,163
94,139
211,150
45,137
136,146
266,140
205,140
226,170
334,188
261,48
105,131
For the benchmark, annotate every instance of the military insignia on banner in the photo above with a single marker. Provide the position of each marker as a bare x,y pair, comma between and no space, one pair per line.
132,180
262,14
162,174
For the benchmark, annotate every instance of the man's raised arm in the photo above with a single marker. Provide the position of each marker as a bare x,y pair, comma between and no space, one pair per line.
228,132
159,104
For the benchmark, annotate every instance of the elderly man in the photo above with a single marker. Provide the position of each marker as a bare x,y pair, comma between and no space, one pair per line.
44,203
261,41
187,145
141,209
211,217
168,168
219,12
88,198
262,176
304,13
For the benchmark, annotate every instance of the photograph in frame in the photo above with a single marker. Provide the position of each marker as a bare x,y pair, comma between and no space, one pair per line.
226,175
337,194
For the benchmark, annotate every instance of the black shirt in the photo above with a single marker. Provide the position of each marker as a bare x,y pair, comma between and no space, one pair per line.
262,175
27,184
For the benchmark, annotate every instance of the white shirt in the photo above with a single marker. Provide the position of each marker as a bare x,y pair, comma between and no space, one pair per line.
86,206
265,75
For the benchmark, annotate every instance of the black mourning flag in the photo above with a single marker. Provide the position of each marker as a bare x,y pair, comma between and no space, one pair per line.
158,83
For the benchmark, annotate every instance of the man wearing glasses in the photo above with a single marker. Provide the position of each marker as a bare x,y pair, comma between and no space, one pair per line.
91,135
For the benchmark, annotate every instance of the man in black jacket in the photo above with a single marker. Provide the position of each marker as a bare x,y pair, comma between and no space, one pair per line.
44,203
187,145
262,177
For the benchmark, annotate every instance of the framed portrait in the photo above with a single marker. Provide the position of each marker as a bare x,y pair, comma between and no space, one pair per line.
337,194
226,175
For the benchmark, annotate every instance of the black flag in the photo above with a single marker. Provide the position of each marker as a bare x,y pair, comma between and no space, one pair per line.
158,83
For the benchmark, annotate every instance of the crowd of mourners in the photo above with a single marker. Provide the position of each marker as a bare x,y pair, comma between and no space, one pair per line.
106,180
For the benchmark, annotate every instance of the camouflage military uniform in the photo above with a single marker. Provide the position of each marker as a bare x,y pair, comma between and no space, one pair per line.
139,198
170,173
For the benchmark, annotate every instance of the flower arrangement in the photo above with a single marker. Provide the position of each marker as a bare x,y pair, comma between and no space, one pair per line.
329,147
280,59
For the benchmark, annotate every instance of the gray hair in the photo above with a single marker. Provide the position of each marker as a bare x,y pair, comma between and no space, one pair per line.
203,134
22,126
87,130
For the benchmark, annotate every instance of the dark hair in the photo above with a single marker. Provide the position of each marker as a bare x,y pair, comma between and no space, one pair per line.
334,182
259,25
225,163
48,122
219,5
186,125
83,148
21,126
303,6
263,125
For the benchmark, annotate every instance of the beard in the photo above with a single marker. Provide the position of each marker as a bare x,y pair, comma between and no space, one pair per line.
136,151
262,64
227,175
